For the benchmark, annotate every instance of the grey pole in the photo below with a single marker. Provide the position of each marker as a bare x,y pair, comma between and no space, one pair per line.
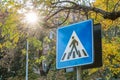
79,72
27,60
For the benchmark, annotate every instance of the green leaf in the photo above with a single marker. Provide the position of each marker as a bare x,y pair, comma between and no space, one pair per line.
0,24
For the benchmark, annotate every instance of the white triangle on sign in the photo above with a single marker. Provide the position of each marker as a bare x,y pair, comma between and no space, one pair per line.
74,49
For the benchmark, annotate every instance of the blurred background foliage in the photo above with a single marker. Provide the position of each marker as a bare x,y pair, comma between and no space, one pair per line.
42,40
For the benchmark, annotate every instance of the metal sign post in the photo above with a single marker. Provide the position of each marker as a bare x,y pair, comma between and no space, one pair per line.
27,60
79,73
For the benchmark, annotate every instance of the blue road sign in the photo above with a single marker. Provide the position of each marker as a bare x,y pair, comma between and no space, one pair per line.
75,45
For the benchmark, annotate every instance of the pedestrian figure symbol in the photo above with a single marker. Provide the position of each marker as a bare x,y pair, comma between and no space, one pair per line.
74,49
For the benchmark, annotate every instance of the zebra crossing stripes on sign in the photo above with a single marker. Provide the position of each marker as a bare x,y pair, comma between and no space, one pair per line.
74,45
74,49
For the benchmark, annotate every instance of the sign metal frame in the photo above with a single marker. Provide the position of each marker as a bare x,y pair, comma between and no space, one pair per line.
84,31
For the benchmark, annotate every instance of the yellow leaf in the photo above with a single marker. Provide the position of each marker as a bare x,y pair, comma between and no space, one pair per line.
0,46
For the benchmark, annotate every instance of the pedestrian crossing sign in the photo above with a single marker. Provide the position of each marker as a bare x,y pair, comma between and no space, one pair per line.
74,49
75,45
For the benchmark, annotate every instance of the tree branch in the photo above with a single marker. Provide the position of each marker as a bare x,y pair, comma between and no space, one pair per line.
71,2
54,13
116,5
107,15
65,18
